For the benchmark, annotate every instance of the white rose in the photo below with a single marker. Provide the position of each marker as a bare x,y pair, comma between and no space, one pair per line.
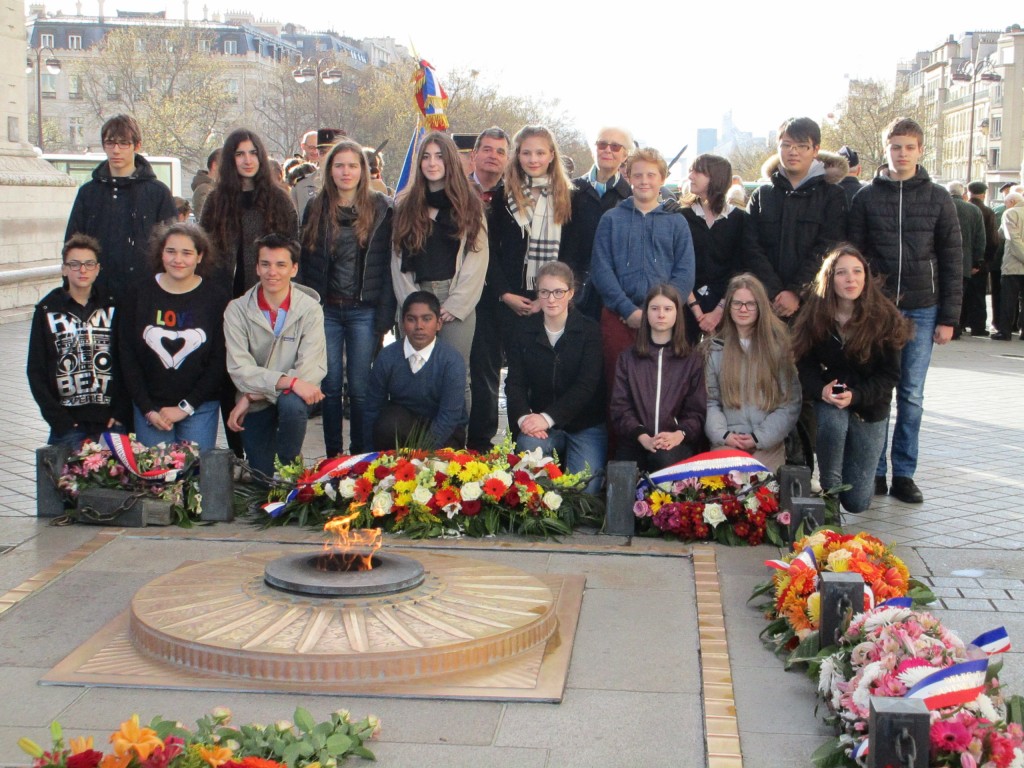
330,492
552,500
713,514
386,483
502,475
381,504
471,491
347,487
421,495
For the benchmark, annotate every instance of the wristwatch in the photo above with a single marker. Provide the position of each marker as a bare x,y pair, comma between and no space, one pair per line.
187,407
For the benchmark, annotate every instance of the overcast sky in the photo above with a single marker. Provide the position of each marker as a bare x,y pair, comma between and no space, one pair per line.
662,68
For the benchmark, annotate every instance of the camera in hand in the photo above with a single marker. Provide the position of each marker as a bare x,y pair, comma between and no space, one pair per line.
838,389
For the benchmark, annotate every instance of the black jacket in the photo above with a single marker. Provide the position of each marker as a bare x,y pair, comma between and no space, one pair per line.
871,383
718,254
375,281
790,230
506,269
993,237
909,233
565,381
578,234
71,362
121,212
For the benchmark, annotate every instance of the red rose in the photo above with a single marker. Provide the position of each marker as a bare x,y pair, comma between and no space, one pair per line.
90,758
511,499
512,460
381,472
471,508
360,467
521,477
305,494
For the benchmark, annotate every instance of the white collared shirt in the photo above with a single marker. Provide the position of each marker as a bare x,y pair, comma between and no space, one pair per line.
424,353
697,208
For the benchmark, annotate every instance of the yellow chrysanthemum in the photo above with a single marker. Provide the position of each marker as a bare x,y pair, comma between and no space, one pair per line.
454,468
839,561
405,486
133,736
713,482
403,499
814,608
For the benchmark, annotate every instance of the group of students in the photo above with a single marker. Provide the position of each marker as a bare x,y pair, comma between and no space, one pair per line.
594,290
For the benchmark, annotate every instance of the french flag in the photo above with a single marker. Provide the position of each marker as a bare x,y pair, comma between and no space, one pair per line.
994,641
709,464
805,560
331,467
952,686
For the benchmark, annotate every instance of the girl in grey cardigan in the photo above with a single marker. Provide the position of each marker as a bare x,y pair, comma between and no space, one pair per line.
753,389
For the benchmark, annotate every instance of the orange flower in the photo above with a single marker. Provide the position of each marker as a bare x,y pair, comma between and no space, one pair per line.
494,487
80,744
405,470
215,756
553,471
259,762
134,736
116,761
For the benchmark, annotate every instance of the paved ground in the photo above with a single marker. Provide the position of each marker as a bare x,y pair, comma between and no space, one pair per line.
635,694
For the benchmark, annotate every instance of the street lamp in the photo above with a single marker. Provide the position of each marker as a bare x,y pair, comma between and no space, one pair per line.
322,71
972,72
53,67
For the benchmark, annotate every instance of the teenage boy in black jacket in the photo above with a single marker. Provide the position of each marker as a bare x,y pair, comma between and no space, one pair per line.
907,228
71,352
121,206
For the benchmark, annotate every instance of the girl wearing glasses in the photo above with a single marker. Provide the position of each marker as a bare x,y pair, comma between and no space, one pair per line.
752,384
847,341
440,241
555,385
658,398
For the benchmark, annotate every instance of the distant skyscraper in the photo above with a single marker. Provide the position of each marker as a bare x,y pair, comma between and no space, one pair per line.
707,138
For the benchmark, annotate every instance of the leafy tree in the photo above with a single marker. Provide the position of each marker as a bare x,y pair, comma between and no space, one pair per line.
747,160
169,81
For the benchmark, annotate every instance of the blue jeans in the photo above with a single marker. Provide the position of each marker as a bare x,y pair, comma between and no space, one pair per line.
351,342
75,436
916,357
848,449
200,427
575,450
277,430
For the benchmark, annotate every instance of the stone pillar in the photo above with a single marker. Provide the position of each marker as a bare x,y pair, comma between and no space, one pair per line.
35,199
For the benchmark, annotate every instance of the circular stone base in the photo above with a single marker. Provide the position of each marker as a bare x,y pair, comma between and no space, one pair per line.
219,617
298,574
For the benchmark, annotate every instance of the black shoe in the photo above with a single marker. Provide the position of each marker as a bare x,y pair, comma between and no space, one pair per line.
880,485
1000,337
906,490
980,334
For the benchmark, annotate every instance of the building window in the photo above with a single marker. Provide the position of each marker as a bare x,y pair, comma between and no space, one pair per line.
46,41
230,47
996,127
113,92
76,131
74,86
204,45
993,160
232,89
49,86
75,42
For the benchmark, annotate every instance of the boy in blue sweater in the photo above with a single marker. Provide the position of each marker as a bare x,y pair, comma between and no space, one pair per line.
417,385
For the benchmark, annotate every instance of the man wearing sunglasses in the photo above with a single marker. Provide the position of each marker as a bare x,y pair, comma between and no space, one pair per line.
120,207
599,190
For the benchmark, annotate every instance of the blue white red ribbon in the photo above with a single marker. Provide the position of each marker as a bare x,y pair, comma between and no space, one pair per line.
861,749
949,687
121,446
709,464
329,468
804,561
994,641
897,602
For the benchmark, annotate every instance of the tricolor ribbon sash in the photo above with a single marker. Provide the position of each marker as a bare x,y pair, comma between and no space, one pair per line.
121,446
329,468
994,641
709,464
949,687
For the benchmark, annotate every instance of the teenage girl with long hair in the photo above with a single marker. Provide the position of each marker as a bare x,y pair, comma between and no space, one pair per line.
346,258
658,402
847,341
440,241
716,227
753,389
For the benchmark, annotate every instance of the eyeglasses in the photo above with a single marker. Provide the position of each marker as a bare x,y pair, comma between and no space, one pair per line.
614,146
749,306
83,266
120,144
785,146
558,293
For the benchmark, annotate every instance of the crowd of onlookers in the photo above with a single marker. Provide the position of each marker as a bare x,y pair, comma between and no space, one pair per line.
632,324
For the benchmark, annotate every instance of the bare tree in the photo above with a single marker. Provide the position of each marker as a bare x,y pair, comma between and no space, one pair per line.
858,121
169,81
